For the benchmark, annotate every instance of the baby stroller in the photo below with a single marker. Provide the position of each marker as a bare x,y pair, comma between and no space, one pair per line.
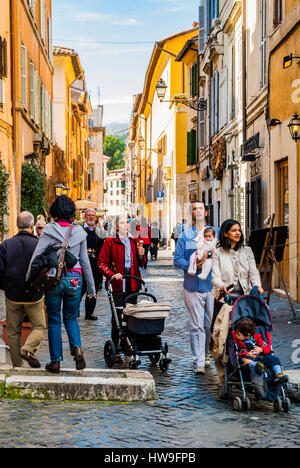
139,329
241,375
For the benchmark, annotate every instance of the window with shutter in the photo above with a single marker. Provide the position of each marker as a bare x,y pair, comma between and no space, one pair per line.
223,98
217,101
32,90
43,20
50,44
263,44
201,131
277,17
202,39
194,148
44,109
233,87
212,106
3,58
1,93
24,75
38,100
189,148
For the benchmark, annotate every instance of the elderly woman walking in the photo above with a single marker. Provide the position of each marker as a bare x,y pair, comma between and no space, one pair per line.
121,255
234,269
67,294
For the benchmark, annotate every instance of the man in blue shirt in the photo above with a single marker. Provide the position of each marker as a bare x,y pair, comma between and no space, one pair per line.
197,293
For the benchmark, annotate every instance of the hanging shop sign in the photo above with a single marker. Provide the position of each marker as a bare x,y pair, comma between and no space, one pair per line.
218,158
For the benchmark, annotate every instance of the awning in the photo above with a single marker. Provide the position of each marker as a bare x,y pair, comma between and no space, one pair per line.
85,204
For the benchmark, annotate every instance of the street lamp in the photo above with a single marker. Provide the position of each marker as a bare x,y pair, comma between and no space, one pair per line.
60,189
288,60
294,127
161,89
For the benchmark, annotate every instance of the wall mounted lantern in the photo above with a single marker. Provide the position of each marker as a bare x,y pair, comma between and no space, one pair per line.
294,127
161,89
288,60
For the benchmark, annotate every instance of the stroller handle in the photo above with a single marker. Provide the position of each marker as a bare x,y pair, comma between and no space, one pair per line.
129,277
135,295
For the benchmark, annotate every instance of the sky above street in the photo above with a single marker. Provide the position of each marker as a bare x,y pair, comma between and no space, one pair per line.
115,39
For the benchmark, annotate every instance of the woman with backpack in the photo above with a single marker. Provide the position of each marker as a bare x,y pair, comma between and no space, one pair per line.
63,301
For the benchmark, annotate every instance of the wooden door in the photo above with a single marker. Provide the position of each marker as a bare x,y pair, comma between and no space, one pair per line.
284,215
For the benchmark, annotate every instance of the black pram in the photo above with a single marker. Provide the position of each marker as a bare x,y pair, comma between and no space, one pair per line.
139,328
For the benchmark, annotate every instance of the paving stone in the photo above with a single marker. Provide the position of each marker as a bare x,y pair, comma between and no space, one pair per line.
188,413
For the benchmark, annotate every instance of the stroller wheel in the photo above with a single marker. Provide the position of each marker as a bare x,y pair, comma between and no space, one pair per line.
278,406
154,358
164,365
110,353
286,405
237,404
223,394
246,404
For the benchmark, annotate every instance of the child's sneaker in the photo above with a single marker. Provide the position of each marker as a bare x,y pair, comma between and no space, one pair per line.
207,362
259,368
281,379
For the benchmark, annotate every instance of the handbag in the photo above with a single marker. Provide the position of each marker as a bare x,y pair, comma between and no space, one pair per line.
49,278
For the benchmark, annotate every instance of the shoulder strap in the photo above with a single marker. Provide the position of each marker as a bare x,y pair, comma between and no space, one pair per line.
63,252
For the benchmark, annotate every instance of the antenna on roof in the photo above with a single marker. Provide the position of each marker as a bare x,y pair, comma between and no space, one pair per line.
99,96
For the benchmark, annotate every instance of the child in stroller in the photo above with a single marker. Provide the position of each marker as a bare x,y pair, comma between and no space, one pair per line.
251,364
255,352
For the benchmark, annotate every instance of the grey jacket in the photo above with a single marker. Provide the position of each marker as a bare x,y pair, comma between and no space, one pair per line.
53,236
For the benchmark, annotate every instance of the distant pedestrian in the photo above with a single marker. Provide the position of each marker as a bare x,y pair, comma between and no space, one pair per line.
155,239
144,235
178,230
94,245
67,295
15,256
39,227
197,293
120,255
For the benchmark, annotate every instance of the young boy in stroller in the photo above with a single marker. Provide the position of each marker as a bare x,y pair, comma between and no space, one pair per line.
250,363
255,352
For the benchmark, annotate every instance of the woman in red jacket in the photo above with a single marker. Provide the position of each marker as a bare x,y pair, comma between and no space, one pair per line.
121,255
144,235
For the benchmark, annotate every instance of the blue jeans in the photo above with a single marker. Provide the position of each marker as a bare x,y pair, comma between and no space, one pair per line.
68,295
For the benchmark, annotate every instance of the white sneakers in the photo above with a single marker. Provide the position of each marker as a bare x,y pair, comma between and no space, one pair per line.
207,362
201,370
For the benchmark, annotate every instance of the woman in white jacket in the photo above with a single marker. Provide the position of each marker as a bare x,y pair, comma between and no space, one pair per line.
234,264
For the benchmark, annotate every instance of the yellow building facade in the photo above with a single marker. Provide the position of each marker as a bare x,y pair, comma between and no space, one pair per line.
6,154
25,91
284,102
72,109
158,141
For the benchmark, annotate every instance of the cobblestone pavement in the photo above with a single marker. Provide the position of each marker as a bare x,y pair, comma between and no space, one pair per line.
188,412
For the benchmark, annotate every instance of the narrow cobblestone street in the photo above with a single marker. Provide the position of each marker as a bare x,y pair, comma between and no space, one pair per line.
188,412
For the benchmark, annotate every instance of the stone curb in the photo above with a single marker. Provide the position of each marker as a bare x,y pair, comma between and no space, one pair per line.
88,385
293,387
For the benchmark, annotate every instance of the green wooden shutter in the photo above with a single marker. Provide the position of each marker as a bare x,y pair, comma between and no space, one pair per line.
194,147
189,148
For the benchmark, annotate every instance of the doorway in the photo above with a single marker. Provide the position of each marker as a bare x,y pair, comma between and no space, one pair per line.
283,215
